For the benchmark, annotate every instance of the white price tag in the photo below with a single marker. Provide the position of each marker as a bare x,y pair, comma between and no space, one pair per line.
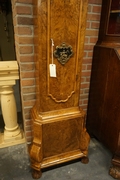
52,70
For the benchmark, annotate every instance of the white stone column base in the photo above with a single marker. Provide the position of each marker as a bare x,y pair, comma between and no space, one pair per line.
8,75
12,141
12,135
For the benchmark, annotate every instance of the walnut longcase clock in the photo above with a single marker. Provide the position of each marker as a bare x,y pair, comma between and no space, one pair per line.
59,132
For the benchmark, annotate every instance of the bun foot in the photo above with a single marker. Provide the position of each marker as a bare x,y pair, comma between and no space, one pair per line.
36,174
85,160
115,172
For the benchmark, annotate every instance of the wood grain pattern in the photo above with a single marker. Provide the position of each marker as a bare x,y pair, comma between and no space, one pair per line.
58,138
67,84
62,87
59,133
103,117
67,133
104,102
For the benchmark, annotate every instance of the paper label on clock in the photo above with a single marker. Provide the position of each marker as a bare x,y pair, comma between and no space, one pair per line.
52,70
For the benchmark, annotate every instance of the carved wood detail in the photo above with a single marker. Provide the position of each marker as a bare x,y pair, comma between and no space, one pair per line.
35,150
84,141
115,168
36,174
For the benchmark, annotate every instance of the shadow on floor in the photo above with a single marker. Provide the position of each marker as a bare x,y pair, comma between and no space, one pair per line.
15,165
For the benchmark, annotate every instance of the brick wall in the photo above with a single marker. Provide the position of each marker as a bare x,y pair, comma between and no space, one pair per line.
23,29
93,21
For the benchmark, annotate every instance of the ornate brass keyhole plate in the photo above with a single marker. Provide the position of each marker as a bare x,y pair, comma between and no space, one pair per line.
63,53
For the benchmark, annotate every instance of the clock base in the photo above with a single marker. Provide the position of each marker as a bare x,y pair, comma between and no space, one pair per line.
59,136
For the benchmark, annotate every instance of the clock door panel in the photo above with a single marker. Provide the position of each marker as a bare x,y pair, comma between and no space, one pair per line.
61,21
63,28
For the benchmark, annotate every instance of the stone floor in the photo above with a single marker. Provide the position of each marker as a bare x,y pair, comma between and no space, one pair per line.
15,165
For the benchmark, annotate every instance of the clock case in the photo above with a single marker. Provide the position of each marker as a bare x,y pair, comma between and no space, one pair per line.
58,123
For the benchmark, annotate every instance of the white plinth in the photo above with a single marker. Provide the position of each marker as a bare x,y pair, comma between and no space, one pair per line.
8,76
11,142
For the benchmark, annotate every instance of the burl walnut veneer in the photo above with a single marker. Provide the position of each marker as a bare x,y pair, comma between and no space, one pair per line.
59,133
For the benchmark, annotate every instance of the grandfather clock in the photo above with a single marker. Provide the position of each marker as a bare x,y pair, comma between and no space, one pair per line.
59,133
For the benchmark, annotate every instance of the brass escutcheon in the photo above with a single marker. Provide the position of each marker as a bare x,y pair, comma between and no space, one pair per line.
63,53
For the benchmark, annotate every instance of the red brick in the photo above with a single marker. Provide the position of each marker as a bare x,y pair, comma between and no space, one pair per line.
84,67
89,8
95,25
29,140
84,96
84,107
85,54
15,21
86,85
28,133
88,47
28,74
28,128
93,17
25,40
14,1
89,66
28,122
13,12
85,102
28,89
90,54
95,2
27,58
87,60
92,32
27,67
88,24
93,39
86,90
96,9
25,10
29,103
24,20
83,79
15,30
28,97
26,49
25,1
28,82
86,73
87,79
27,110
81,91
24,30
87,39
80,102
27,116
